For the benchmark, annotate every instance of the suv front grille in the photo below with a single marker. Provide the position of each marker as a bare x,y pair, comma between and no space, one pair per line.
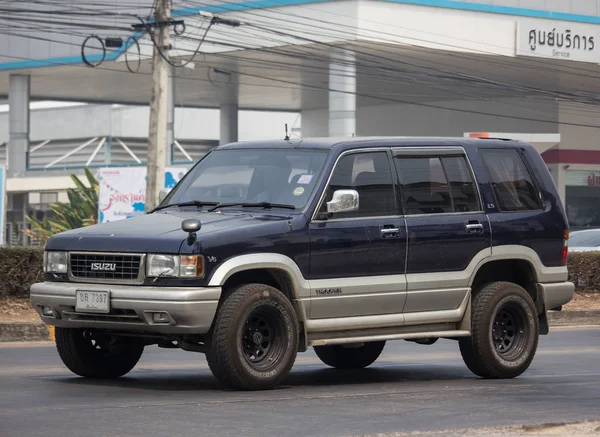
106,267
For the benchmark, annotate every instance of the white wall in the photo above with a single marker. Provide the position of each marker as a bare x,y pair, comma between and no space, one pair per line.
413,120
579,137
190,123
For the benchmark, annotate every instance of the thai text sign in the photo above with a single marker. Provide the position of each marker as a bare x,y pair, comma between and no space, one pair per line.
123,191
559,40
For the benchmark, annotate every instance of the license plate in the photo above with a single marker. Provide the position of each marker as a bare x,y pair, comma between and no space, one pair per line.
92,301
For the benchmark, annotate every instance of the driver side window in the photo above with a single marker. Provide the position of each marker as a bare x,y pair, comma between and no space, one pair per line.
369,174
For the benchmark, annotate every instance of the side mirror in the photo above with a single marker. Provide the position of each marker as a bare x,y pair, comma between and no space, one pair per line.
343,201
163,194
191,225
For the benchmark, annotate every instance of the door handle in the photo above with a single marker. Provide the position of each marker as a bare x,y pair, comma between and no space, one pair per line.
389,232
474,228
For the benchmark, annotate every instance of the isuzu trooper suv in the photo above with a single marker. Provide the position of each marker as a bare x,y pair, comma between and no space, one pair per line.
265,249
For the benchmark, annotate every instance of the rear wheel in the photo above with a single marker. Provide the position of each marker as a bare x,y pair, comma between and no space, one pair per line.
254,338
350,357
97,356
505,332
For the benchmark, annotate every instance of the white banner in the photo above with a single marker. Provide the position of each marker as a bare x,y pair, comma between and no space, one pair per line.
123,191
558,40
2,204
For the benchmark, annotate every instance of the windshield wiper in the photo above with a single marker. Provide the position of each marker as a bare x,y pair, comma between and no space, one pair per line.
191,203
265,205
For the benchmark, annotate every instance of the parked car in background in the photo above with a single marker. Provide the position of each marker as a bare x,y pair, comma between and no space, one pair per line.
587,240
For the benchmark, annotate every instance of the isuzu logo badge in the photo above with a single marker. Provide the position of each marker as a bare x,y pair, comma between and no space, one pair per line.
103,267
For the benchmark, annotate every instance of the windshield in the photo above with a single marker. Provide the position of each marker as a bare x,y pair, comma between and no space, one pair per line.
585,239
255,175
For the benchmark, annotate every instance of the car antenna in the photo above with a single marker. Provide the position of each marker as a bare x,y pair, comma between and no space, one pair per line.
287,136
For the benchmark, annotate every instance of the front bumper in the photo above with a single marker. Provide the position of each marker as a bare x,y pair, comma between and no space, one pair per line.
190,310
557,294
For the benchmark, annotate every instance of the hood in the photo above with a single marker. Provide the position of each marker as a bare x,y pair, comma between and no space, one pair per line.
159,232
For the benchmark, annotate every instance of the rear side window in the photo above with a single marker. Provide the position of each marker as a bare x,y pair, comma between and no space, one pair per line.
436,185
512,183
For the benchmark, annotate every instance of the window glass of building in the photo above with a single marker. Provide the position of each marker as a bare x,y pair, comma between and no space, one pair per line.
511,181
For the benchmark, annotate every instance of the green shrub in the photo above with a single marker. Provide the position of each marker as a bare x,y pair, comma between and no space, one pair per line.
19,268
584,271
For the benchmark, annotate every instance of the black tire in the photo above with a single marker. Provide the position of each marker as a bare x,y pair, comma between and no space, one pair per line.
254,340
101,358
343,357
505,332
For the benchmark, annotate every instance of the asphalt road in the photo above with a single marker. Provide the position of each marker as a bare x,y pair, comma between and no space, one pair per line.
410,388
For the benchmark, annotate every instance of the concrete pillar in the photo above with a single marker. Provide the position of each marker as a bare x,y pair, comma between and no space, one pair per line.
171,98
228,123
342,94
229,111
559,175
18,125
561,183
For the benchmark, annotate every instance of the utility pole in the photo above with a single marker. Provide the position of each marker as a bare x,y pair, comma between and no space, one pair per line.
157,138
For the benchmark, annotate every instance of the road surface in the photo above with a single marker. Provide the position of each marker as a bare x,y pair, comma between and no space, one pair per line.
171,393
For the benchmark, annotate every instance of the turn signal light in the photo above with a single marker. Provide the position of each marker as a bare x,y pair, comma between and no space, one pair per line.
192,266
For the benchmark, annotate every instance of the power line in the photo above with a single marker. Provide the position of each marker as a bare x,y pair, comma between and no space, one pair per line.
381,70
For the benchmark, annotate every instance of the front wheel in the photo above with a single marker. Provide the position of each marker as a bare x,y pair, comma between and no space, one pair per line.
350,357
505,332
254,338
97,356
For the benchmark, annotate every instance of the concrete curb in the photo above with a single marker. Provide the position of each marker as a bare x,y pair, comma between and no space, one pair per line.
574,318
10,332
19,332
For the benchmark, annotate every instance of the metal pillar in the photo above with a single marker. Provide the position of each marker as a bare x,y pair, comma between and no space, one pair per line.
342,93
171,96
229,112
18,142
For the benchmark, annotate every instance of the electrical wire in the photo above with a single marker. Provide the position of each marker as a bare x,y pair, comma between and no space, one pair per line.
410,103
290,19
102,47
135,42
392,73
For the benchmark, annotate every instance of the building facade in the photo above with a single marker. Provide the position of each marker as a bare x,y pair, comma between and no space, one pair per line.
519,68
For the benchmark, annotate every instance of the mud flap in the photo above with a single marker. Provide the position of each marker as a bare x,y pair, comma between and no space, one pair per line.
540,306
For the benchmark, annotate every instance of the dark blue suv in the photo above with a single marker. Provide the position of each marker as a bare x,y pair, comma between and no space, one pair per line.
266,248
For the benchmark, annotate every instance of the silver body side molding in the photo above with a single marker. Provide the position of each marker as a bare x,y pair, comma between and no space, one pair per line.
392,301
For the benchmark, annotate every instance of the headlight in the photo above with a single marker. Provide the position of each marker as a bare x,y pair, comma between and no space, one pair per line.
56,262
175,266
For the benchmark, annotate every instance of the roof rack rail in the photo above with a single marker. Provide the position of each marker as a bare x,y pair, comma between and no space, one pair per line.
486,136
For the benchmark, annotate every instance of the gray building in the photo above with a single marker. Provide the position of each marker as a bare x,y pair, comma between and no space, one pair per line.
349,67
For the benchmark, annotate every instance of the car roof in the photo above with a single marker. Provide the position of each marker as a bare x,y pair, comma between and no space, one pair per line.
366,142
